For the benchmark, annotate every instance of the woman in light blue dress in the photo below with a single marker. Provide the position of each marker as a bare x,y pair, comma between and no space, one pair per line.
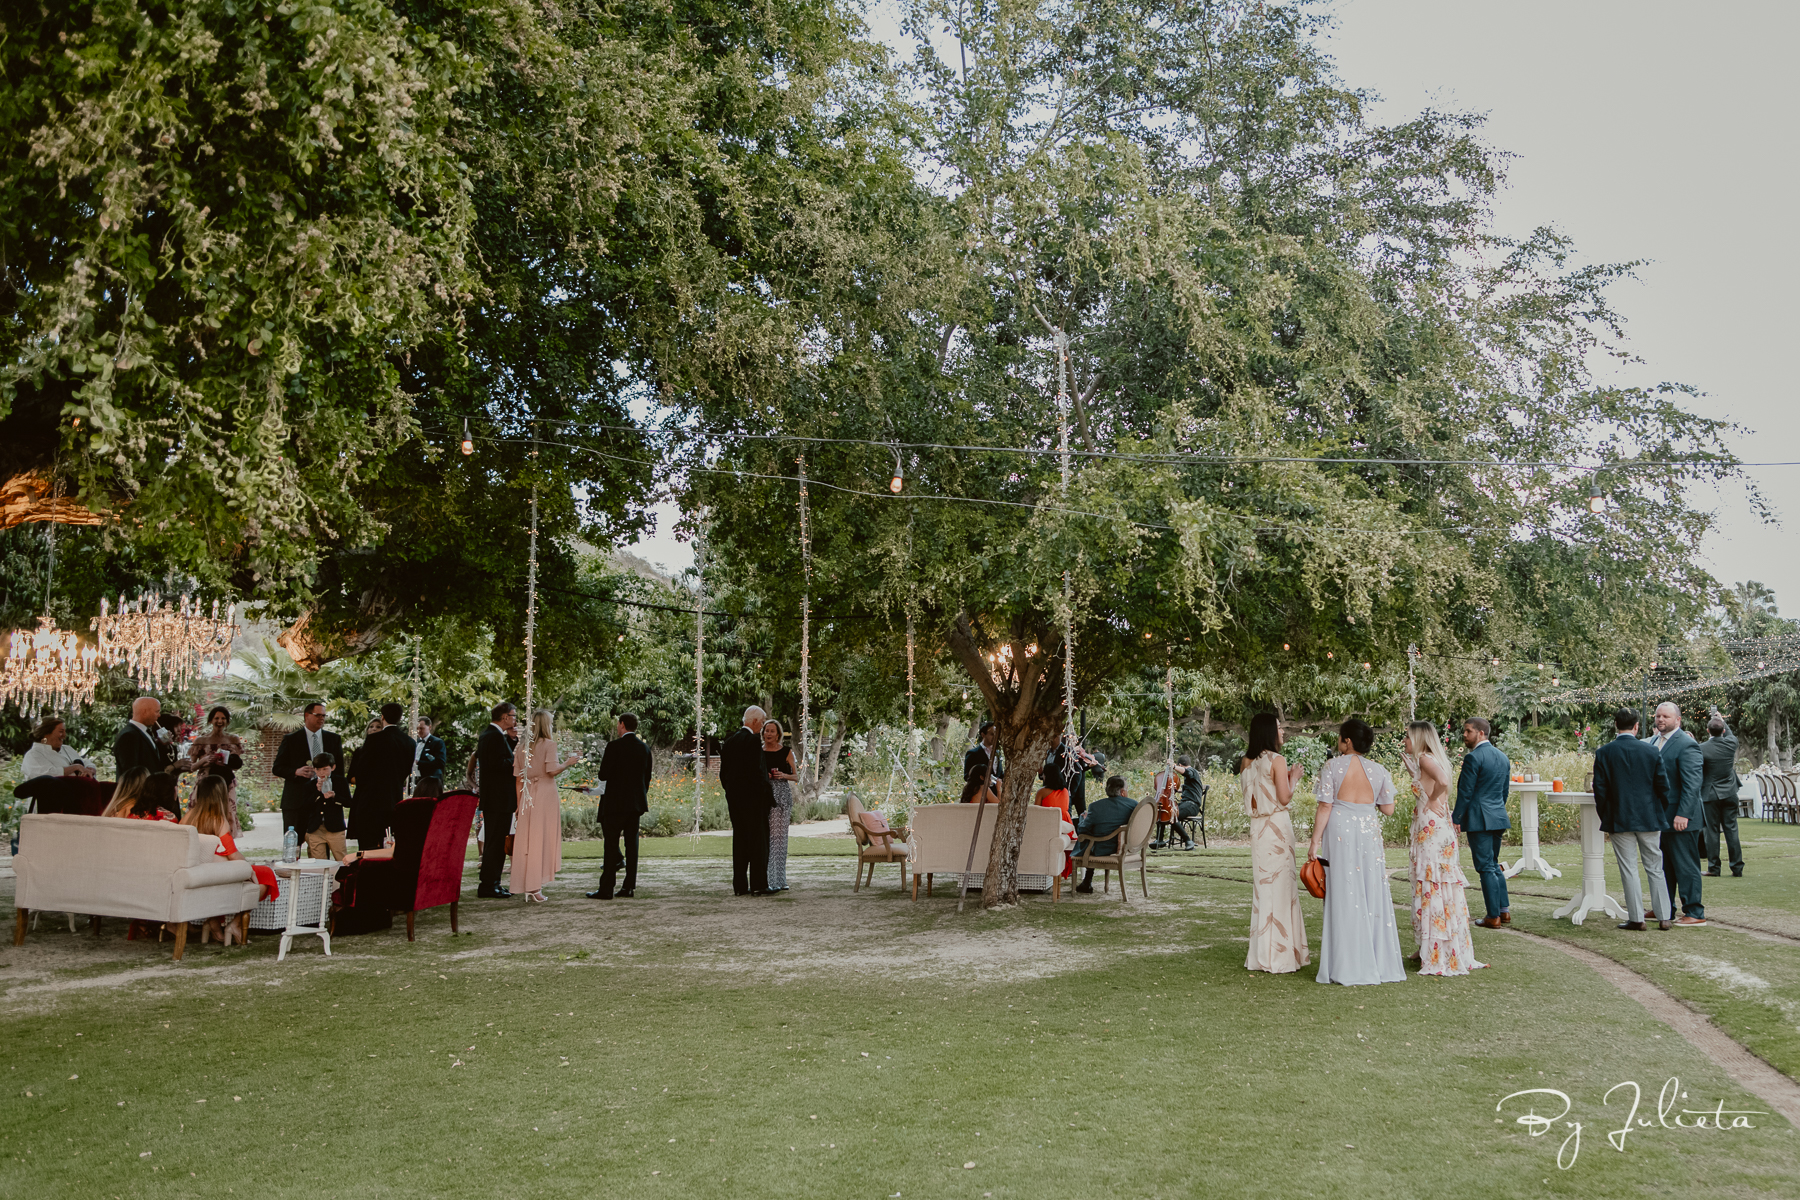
1362,940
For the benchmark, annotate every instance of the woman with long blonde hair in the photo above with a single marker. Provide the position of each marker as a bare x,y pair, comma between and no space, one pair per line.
537,842
1440,910
128,799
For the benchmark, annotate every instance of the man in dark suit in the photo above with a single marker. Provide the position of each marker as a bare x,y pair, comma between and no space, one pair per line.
1480,816
1109,814
301,807
383,768
429,756
1684,766
749,797
625,772
136,745
499,798
1631,797
1719,789
977,761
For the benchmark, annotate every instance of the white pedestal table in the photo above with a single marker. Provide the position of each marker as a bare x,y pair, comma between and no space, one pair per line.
1530,858
308,871
1592,897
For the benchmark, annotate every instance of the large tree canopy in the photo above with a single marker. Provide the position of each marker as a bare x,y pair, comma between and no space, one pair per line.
1320,411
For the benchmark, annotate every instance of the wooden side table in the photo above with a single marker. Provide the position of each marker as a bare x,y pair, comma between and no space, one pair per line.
303,876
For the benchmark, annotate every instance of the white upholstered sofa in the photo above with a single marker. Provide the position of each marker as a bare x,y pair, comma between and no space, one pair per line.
940,838
111,867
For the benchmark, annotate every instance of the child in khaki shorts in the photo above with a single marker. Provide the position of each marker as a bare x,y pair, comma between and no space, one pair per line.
325,842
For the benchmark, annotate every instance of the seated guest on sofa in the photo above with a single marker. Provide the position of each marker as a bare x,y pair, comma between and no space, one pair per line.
210,813
50,755
129,798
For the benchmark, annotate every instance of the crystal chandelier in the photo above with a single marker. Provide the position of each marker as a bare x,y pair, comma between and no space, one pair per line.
46,668
162,646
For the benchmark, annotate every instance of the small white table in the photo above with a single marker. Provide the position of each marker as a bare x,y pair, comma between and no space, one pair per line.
1530,859
1592,896
323,871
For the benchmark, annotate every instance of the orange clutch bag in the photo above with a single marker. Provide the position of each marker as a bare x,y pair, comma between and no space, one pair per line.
1312,877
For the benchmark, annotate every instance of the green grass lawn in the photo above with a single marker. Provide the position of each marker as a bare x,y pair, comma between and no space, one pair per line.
820,1044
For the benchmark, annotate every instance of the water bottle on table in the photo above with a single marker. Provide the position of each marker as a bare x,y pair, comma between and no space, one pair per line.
290,846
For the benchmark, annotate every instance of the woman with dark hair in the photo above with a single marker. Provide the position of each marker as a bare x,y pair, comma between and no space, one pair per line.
1361,943
219,754
1277,924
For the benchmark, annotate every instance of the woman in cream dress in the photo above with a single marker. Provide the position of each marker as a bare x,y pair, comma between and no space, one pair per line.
1440,910
537,846
1277,926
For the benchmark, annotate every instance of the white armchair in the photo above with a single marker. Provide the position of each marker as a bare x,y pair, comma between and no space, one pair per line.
143,870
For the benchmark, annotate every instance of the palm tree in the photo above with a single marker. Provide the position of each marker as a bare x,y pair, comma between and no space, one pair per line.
271,691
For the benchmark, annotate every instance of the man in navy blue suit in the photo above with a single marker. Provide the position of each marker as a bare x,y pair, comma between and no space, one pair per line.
1480,816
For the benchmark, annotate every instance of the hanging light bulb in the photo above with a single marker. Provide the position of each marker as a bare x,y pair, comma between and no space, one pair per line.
899,479
1496,662
1653,666
1555,682
468,443
1540,666
1759,666
1596,502
1285,646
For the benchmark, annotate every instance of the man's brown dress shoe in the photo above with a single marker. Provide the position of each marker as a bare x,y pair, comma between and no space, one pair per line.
1489,922
1506,917
1665,924
1635,926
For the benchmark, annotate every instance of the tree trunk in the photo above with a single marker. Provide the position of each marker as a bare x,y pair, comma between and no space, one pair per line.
1772,755
829,767
937,739
1026,745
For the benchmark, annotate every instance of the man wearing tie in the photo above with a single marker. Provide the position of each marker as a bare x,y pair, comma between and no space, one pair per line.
1719,785
749,797
429,758
499,798
1480,815
301,809
1685,768
625,770
136,745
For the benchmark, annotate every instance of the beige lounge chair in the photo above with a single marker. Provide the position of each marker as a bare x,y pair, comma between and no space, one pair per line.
1133,836
873,849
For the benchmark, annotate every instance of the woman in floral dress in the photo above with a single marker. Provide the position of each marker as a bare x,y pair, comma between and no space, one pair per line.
1440,910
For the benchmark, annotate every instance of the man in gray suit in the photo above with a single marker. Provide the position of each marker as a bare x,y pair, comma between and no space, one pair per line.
1631,798
1682,765
1719,787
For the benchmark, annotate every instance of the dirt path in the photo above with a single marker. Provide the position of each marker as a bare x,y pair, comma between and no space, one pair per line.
1779,1092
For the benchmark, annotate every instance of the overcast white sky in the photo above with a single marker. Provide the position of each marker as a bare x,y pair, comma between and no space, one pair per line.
1645,130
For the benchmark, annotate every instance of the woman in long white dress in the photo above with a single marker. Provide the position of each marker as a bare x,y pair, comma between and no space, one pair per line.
1440,908
1361,942
1277,924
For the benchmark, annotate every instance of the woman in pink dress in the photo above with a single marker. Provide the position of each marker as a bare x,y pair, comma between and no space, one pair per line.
537,843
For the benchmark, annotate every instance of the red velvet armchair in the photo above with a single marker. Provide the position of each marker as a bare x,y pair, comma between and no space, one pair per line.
70,794
431,839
